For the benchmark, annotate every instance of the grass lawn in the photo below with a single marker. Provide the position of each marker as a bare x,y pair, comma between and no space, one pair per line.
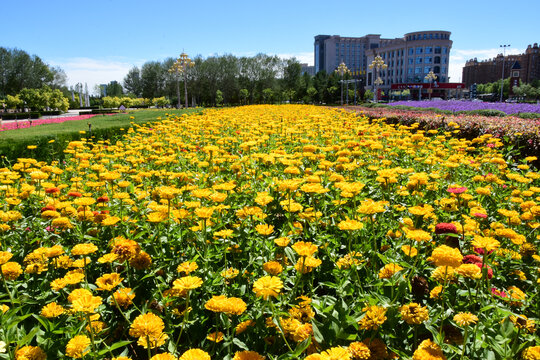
14,143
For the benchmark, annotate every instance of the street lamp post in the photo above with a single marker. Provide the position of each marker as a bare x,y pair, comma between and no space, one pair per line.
430,77
377,64
342,70
502,77
180,66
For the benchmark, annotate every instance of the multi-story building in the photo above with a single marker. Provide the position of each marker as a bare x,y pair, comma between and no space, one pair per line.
491,70
409,59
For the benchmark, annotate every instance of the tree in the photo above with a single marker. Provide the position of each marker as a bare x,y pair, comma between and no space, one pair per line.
311,92
267,95
114,89
291,77
244,94
219,98
153,78
132,81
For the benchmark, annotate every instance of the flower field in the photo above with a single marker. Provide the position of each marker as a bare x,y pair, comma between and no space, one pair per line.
277,232
21,124
459,105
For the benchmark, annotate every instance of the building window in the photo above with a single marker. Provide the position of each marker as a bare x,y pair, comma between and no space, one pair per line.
515,73
427,69
436,36
445,50
419,50
437,69
411,51
428,60
443,69
418,60
418,70
431,36
409,71
437,49
429,50
444,60
411,61
437,60
425,36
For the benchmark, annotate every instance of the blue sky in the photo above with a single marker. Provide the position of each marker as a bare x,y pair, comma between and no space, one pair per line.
99,41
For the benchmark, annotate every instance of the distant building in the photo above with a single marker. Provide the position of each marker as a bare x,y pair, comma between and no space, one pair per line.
307,69
491,70
409,58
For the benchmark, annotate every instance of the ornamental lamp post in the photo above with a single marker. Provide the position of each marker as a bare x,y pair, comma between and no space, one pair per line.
377,64
342,70
502,77
430,77
180,67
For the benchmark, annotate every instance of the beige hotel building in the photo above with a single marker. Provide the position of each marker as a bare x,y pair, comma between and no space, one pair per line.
409,58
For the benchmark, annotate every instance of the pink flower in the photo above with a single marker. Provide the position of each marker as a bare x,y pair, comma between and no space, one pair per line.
457,190
496,292
480,215
489,271
472,259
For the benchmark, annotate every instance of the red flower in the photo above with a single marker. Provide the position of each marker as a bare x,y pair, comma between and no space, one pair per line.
52,190
103,199
472,259
74,194
445,228
48,207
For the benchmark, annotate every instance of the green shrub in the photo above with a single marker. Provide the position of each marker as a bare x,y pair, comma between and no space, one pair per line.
528,115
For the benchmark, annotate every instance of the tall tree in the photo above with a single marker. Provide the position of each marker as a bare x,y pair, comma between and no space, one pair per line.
132,81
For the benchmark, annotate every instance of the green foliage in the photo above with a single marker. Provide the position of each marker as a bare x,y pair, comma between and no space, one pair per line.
161,102
219,98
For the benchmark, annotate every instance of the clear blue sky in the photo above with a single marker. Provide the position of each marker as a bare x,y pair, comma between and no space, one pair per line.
98,41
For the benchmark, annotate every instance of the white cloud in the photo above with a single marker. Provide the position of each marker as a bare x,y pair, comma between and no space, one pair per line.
94,71
302,57
458,57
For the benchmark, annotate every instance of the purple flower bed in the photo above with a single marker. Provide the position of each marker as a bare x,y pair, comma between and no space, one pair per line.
20,124
460,105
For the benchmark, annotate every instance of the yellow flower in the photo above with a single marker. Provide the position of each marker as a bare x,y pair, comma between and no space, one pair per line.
272,267
78,346
5,256
52,310
204,212
164,356
282,241
267,286
359,350
428,350
336,353
486,243
30,353
148,327
304,248
84,249
531,353
187,283
409,250
350,225
187,267
470,271
195,354
247,355
108,282
221,303
446,256
414,314
11,270
374,317
264,229
389,270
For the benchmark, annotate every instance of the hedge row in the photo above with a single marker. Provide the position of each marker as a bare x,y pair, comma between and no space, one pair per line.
20,116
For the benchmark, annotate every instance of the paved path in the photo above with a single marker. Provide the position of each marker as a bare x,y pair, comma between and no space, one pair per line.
69,113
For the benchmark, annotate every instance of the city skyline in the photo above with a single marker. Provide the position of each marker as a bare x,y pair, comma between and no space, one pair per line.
99,42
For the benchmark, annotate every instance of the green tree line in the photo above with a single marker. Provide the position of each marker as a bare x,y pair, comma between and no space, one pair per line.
231,80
